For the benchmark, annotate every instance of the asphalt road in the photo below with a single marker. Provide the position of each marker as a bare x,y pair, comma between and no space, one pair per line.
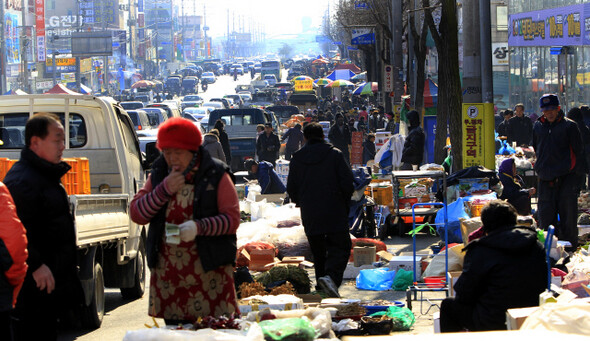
124,315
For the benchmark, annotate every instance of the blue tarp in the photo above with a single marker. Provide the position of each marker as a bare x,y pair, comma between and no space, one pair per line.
340,74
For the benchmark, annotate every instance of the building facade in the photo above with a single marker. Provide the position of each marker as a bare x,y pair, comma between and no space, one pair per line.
549,42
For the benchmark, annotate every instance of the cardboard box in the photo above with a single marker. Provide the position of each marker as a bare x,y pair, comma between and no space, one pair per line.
261,260
274,198
310,300
516,317
351,271
453,277
406,263
364,255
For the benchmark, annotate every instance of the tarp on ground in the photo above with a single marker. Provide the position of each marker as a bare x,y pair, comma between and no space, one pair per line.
340,74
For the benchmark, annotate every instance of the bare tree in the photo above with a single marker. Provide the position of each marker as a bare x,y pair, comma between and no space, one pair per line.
449,92
420,54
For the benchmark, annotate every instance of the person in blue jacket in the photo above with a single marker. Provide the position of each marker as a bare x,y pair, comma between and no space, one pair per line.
268,179
513,190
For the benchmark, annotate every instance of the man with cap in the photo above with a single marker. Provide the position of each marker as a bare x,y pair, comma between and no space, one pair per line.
193,212
320,182
267,178
268,145
558,145
520,127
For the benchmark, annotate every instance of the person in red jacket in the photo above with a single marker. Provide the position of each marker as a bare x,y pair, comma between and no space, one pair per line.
13,260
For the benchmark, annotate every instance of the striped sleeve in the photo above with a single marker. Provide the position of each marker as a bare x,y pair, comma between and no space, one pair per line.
147,202
228,219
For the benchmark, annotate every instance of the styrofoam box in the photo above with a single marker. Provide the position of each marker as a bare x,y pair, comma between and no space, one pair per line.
352,271
406,263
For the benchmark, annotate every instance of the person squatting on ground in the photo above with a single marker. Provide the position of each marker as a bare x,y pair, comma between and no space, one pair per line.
502,270
513,190
268,179
558,146
320,182
51,285
187,187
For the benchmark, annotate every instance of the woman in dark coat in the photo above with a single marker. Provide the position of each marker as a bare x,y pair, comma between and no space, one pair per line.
224,140
413,151
369,149
513,190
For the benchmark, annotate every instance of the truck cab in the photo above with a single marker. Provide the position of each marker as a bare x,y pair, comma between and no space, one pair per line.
110,245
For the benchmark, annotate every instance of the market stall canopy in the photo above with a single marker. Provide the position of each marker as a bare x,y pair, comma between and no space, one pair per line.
430,94
322,81
339,83
142,84
366,88
360,77
348,66
85,90
60,89
302,78
16,92
340,74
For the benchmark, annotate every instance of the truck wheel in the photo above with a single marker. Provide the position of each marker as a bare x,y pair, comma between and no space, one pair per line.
138,288
92,315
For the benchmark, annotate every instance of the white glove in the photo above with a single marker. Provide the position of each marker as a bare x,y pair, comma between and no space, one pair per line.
188,230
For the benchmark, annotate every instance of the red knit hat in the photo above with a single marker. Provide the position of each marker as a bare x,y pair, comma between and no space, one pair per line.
178,132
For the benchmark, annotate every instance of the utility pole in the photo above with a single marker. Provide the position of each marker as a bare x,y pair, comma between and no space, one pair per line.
105,59
398,58
2,50
471,53
78,24
157,36
24,47
485,34
205,29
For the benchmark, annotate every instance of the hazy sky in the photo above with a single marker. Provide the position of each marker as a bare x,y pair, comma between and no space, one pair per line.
277,16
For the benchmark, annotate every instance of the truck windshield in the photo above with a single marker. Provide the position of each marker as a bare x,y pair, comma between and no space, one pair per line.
12,130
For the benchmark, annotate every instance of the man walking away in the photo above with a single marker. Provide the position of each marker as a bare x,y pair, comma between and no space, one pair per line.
51,285
575,114
520,127
268,145
320,182
340,136
413,151
558,146
294,142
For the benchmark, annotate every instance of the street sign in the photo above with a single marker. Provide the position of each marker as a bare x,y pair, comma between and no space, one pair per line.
362,37
337,42
322,39
388,78
362,5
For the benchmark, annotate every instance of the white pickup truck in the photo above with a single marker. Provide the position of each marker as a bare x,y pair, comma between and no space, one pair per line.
111,247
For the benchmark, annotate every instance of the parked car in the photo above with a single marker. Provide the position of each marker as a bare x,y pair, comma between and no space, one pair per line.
156,116
237,100
214,104
141,122
132,105
196,114
191,101
190,85
271,79
246,97
208,78
171,109
238,67
224,101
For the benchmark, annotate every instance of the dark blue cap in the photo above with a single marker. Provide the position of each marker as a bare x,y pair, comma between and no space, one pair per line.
549,101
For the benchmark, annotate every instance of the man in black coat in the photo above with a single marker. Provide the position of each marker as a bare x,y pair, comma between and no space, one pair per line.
224,140
502,128
51,283
320,182
268,145
413,151
520,127
505,269
340,136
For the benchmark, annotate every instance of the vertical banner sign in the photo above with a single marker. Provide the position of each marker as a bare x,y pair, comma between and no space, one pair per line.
388,79
356,155
473,135
40,25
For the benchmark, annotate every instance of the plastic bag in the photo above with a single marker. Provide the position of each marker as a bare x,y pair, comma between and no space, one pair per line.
290,328
570,318
375,279
403,318
403,279
437,265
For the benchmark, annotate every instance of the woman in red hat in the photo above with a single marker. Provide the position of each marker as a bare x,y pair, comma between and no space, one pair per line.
192,208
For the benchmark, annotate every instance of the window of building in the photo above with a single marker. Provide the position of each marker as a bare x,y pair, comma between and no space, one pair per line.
502,18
